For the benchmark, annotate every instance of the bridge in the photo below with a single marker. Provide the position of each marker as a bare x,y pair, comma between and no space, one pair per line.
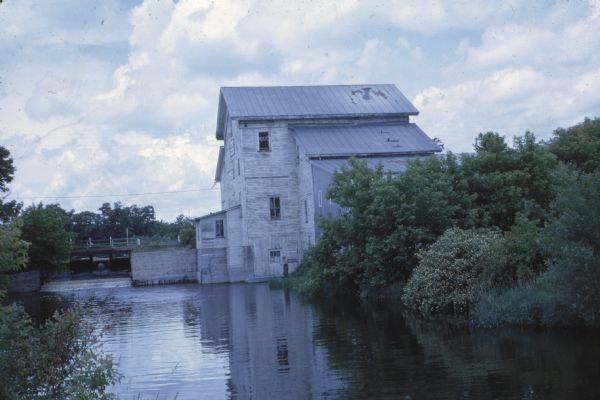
111,252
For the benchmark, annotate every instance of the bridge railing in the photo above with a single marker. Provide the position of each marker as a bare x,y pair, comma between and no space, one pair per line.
126,242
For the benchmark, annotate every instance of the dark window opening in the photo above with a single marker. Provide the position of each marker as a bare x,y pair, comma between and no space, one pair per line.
219,228
263,141
275,207
275,256
305,212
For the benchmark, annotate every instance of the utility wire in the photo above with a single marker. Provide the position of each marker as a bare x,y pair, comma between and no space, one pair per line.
112,195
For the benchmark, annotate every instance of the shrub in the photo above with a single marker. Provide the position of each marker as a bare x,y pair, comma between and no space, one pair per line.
187,236
57,360
448,276
569,291
566,294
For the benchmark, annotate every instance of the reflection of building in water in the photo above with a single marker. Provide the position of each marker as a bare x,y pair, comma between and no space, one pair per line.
269,335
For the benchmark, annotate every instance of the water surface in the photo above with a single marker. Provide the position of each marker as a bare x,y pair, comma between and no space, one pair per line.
246,341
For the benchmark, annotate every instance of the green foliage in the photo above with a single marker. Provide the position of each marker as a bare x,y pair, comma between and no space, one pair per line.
114,220
187,236
579,145
387,219
518,258
575,214
44,228
8,210
448,277
506,181
568,292
13,251
59,360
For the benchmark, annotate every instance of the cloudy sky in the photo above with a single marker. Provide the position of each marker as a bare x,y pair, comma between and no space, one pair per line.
120,97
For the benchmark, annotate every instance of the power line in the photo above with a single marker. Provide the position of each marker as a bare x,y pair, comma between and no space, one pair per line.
113,195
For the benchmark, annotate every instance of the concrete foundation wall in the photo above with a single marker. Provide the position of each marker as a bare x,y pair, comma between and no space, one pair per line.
24,282
164,267
212,266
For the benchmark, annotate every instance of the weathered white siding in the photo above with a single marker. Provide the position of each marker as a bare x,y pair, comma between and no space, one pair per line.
307,204
249,177
235,250
268,174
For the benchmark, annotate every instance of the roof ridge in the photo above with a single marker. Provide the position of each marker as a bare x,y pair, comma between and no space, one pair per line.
306,86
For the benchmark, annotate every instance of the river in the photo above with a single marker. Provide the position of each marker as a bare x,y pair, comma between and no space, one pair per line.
247,341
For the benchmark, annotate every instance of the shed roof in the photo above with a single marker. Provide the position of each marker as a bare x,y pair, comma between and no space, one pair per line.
345,140
390,164
298,102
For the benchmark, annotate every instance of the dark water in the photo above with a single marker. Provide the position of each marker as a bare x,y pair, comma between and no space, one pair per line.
246,341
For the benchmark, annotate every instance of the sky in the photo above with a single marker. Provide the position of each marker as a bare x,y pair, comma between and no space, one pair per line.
103,99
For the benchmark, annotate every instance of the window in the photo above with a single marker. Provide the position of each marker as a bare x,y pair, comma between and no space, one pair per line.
263,141
275,256
239,169
219,228
305,211
320,199
275,207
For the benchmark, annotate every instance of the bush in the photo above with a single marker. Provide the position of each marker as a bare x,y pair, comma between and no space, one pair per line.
58,360
518,257
187,236
448,276
566,294
569,291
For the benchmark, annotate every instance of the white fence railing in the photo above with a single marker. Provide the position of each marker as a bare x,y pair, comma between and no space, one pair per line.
126,242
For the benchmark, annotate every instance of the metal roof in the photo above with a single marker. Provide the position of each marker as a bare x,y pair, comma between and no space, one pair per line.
297,102
345,140
392,164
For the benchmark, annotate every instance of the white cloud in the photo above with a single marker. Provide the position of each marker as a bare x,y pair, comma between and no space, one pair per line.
100,98
536,75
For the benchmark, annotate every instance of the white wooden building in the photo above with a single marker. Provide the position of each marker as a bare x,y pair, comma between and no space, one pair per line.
280,147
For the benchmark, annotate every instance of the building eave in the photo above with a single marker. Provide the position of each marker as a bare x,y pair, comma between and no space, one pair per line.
371,155
220,164
212,214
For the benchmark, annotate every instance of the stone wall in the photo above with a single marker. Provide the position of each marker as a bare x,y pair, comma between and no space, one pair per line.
24,282
164,267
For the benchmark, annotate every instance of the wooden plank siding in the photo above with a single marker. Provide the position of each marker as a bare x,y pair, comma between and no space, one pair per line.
249,177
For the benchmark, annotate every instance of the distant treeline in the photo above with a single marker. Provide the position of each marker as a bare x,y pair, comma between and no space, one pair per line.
48,231
51,230
117,220
506,234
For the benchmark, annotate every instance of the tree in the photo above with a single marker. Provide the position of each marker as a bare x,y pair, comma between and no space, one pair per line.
44,228
8,210
568,291
13,252
387,219
506,181
86,224
117,219
579,145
